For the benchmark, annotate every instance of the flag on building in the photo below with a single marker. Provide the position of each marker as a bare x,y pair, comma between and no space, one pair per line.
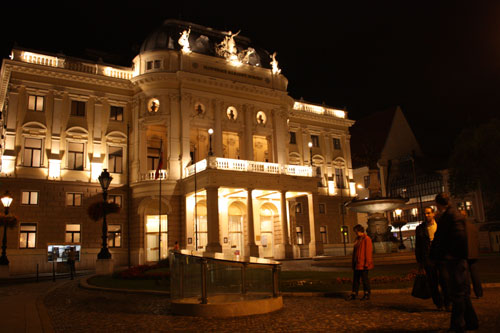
160,161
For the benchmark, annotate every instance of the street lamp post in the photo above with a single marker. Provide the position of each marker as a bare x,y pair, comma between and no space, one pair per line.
399,223
6,201
104,179
210,132
310,144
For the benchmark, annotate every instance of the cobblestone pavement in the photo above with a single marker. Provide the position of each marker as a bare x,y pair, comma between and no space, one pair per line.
73,309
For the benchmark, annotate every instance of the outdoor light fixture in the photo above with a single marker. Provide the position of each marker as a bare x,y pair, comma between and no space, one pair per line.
399,223
6,201
210,132
310,144
104,179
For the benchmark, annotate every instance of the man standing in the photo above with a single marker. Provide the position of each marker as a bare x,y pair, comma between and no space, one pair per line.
362,262
450,246
424,235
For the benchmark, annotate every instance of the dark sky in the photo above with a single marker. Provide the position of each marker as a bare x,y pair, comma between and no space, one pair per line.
439,60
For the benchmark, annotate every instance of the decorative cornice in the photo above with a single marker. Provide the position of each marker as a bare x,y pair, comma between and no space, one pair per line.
321,118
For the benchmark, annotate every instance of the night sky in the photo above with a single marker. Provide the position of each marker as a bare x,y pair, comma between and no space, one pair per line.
438,60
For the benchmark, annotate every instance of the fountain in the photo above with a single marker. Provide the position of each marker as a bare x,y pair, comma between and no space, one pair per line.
375,206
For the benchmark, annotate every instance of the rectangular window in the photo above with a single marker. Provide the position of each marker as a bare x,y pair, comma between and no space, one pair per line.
74,199
72,233
157,64
153,158
35,103
298,208
29,198
336,144
339,178
117,199
32,152
114,235
27,236
78,108
315,140
115,159
323,233
75,156
149,65
300,235
293,138
322,208
116,113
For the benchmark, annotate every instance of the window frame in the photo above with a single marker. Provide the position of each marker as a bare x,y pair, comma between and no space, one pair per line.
299,232
114,114
28,233
75,155
337,144
114,168
29,197
112,199
36,98
32,149
320,210
79,232
76,106
112,236
323,231
315,141
74,194
293,138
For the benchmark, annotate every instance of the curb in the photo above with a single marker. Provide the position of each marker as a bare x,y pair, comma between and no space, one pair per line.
83,283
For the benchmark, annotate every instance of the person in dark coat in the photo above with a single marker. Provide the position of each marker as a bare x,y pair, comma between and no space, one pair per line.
473,254
362,262
450,246
424,235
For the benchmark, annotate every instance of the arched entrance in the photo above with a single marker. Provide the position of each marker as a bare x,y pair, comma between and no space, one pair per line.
268,214
235,227
201,228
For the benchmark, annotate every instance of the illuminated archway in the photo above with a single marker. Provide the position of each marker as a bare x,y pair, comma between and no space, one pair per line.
268,215
236,213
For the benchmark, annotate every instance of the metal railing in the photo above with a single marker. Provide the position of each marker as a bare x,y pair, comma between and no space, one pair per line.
194,275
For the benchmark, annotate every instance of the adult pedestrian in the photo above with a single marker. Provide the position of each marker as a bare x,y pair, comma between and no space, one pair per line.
450,246
473,254
71,261
362,262
424,235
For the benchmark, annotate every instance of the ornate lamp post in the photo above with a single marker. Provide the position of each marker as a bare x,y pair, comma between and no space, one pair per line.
210,132
399,223
6,201
104,179
310,144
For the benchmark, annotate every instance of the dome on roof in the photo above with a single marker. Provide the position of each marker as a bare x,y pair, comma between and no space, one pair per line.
201,40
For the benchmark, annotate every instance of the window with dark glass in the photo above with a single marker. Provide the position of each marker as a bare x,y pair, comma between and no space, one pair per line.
29,198
300,235
32,152
323,233
336,143
78,108
72,233
74,199
115,159
149,65
298,208
153,157
114,198
27,235
322,208
339,178
114,235
75,156
35,103
315,140
157,64
293,138
116,113
366,180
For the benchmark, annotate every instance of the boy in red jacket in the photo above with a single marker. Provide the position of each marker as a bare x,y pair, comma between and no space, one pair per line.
362,262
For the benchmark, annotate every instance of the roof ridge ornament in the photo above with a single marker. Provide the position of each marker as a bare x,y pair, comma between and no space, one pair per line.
184,41
274,64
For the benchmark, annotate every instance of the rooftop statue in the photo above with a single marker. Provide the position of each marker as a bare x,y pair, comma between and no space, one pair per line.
274,63
184,41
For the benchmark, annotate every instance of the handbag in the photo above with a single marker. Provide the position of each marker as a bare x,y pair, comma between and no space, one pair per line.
421,287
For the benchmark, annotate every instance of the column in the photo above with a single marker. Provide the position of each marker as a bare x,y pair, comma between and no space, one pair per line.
315,245
251,249
280,130
284,248
248,133
179,125
213,220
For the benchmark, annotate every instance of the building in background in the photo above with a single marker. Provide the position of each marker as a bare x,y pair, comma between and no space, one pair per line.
204,145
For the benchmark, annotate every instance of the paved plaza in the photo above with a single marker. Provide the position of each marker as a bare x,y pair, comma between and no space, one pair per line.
63,306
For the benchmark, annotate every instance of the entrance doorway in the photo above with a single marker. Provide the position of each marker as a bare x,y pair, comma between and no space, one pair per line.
152,237
235,228
268,212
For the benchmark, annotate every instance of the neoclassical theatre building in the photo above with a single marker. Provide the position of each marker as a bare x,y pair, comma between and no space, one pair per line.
244,168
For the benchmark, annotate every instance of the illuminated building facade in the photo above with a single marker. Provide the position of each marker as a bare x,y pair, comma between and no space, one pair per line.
245,169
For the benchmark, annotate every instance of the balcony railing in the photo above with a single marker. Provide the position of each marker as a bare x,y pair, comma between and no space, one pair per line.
248,166
150,175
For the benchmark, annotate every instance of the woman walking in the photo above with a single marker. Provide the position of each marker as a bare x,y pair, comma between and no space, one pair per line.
362,262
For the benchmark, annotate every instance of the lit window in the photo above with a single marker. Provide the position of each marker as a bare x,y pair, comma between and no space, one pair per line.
115,159
153,157
114,235
35,103
336,144
27,236
75,156
298,208
114,198
293,138
29,198
116,113
74,199
322,231
300,235
78,108
32,152
315,140
72,233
